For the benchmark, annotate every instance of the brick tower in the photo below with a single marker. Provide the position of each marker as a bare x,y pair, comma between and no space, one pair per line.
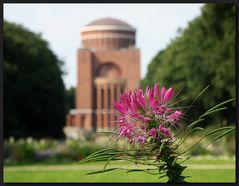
107,64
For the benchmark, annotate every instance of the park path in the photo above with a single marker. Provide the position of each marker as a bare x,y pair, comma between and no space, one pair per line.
100,167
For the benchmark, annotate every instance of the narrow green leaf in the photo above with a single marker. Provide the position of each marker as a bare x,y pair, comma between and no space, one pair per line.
174,161
162,176
194,123
103,158
220,104
143,170
190,133
216,110
109,161
99,152
102,171
182,134
184,160
225,133
161,147
208,134
217,138
198,97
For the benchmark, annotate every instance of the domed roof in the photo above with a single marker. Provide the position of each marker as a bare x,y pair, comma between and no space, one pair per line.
109,21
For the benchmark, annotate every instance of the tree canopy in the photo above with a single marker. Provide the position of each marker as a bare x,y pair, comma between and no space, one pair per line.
34,93
202,54
70,98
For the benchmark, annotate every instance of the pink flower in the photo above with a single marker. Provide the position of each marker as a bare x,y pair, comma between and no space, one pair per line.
120,107
143,118
152,132
126,130
141,139
175,116
121,120
168,95
168,110
161,109
147,92
166,132
156,98
137,108
163,90
140,98
156,90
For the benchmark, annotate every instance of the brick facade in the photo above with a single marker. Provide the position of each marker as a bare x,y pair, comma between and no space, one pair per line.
108,63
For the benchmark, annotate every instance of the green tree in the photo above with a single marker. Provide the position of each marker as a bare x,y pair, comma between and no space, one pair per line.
203,54
34,93
70,98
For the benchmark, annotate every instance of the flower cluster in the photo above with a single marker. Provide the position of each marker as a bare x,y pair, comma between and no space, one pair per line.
146,115
146,118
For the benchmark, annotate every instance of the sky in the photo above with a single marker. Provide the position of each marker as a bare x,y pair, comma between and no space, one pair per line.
59,24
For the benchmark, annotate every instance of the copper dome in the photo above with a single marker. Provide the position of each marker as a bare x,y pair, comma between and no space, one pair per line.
108,33
109,21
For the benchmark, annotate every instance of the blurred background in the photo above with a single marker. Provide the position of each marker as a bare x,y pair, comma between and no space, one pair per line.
185,46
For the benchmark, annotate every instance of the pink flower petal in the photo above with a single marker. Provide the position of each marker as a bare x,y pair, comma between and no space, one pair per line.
168,95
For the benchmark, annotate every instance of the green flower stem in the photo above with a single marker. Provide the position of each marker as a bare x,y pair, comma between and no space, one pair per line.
174,171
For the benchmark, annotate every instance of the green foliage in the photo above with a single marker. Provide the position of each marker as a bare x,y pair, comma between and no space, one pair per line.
34,93
230,144
70,98
20,151
203,54
30,150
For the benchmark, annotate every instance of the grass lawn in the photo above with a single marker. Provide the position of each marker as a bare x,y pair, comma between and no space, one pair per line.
199,170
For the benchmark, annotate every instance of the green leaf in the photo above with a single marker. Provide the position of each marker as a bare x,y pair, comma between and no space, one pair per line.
220,104
143,170
198,96
213,111
217,138
208,134
194,123
161,147
162,176
109,161
191,132
102,171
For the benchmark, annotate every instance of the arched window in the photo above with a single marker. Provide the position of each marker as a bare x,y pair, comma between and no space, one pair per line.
109,70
